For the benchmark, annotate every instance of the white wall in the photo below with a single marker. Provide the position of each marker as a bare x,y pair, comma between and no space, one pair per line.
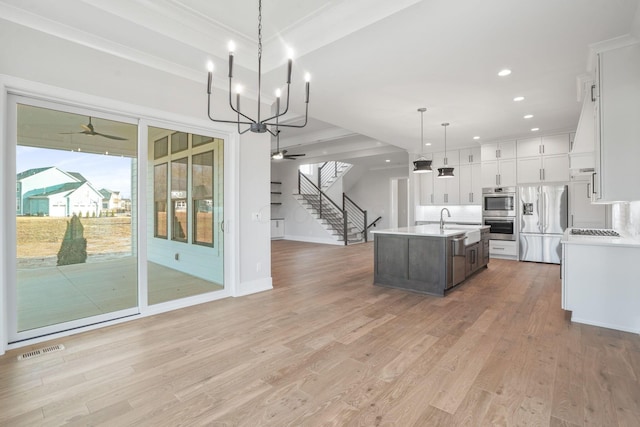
626,217
35,57
372,193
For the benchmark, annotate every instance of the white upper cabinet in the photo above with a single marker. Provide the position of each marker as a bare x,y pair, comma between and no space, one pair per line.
499,173
470,184
543,146
447,190
425,182
556,144
445,159
470,155
617,136
498,151
543,159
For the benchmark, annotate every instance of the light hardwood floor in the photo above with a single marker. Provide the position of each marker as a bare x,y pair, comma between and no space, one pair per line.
326,347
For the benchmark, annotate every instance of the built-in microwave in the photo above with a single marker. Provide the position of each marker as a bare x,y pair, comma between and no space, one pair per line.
500,201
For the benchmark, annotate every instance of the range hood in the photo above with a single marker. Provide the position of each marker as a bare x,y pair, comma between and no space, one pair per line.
582,156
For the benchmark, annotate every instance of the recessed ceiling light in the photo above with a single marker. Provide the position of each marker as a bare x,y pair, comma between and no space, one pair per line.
535,129
387,160
427,144
476,137
504,72
518,98
528,116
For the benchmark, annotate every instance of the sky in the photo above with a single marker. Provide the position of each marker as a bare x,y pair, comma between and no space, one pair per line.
102,171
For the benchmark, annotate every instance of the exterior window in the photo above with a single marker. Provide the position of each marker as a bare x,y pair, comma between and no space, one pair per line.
202,194
161,148
179,142
160,200
179,214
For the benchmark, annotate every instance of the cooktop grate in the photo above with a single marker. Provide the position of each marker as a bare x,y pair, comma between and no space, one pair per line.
594,232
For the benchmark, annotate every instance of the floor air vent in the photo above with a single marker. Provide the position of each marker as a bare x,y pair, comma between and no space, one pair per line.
39,352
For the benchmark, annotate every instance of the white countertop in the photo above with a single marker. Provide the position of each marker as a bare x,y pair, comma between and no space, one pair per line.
431,230
623,240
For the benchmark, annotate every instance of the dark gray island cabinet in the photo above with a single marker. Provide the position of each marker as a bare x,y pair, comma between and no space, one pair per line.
426,259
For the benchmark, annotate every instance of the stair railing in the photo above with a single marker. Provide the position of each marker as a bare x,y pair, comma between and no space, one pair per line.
306,186
327,171
374,223
357,215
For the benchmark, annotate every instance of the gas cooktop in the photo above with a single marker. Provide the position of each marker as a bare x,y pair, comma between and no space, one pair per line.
594,232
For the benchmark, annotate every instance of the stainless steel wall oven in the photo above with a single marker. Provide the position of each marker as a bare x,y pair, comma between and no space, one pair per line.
502,228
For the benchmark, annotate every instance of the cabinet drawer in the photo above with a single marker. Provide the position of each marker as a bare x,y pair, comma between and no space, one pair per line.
503,247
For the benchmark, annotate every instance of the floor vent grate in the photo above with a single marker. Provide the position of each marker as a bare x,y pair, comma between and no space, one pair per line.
39,352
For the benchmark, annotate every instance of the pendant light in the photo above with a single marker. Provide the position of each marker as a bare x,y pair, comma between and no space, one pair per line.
445,172
422,165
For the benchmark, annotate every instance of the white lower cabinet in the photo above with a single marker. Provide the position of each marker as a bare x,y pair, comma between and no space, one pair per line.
599,285
503,249
277,228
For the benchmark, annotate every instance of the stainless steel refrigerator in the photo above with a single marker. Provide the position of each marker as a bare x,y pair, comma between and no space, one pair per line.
543,219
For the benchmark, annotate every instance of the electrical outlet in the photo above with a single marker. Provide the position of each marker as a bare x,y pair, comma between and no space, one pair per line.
258,267
255,216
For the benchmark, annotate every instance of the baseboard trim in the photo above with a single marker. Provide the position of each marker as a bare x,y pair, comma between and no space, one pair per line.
313,240
253,287
605,325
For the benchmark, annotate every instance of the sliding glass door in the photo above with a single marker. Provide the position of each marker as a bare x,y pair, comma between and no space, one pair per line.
75,217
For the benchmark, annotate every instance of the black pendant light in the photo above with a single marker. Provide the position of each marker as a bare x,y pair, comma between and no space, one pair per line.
445,172
422,165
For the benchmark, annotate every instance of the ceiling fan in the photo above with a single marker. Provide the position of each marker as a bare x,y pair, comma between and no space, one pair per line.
279,155
89,130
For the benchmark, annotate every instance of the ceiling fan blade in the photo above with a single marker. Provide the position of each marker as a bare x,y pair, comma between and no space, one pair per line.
119,138
295,155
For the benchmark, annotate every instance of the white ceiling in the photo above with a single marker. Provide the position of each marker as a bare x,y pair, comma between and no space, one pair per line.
373,62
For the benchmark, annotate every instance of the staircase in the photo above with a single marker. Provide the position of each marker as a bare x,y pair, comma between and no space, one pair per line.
329,172
331,218
344,224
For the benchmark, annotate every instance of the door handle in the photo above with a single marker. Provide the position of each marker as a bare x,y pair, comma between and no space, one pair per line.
222,225
593,97
593,183
588,190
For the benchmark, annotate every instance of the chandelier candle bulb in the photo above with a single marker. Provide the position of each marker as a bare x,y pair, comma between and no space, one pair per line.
289,68
210,77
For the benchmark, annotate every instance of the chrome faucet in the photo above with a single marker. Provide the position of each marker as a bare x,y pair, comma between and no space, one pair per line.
442,219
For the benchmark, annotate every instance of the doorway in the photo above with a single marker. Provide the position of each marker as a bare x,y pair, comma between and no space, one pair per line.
399,202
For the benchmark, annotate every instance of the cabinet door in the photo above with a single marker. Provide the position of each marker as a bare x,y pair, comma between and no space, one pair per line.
529,147
476,184
441,159
489,173
507,170
426,188
470,184
554,144
507,150
446,190
469,155
555,168
489,152
582,212
529,170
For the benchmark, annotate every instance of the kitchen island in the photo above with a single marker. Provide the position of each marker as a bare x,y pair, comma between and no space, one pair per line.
428,259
